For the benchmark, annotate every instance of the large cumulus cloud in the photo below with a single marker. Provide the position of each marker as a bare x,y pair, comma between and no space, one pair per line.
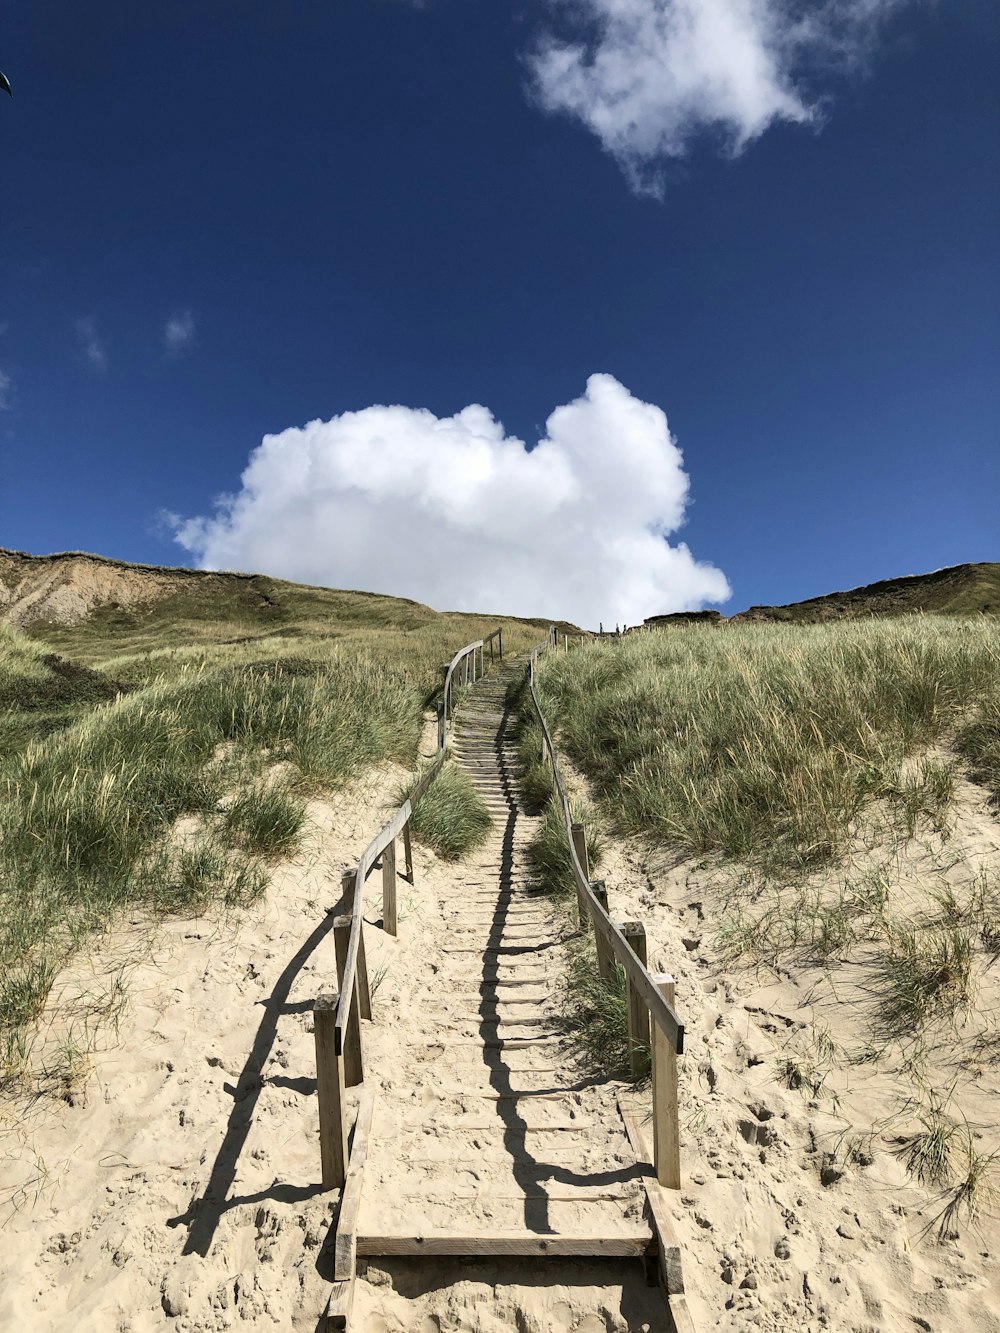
454,512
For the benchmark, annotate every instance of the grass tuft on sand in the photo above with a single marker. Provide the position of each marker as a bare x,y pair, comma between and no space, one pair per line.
451,817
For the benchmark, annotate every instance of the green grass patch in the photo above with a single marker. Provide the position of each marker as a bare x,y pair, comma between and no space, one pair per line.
922,974
265,818
595,1012
451,817
548,852
979,743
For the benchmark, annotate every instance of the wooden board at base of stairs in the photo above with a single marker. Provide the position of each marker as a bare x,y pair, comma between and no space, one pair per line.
667,1242
518,1243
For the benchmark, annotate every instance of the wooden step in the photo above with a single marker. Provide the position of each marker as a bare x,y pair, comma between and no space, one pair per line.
627,1245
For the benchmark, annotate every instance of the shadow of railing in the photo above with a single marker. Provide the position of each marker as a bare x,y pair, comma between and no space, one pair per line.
205,1212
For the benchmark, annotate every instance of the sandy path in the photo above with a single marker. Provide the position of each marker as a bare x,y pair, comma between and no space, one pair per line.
484,1123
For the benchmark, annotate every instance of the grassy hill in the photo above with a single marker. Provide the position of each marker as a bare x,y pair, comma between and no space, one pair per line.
93,606
959,590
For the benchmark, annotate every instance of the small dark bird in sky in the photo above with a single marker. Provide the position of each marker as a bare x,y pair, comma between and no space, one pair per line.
5,85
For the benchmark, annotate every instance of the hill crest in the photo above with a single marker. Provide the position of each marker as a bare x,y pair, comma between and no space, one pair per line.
969,589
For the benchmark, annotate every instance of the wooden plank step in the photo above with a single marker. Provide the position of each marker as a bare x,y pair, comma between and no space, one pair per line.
510,1044
517,1243
505,931
464,1125
489,1196
447,1094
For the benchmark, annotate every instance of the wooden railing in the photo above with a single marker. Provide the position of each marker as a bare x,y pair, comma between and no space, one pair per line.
465,668
336,1017
650,995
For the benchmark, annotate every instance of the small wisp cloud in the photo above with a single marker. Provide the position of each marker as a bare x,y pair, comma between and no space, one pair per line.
178,333
648,76
92,345
454,512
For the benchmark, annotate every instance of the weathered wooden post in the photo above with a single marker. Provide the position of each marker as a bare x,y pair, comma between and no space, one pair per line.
407,853
353,1070
605,958
349,885
441,724
330,1093
638,1014
389,923
500,637
580,847
578,833
666,1120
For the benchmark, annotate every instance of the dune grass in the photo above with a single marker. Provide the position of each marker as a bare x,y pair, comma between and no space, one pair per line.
764,743
595,1013
265,818
108,759
822,763
594,1010
451,817
548,853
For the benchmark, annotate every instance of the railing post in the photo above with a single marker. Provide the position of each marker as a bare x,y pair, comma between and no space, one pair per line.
666,1121
578,834
353,1070
407,852
349,886
580,847
605,958
389,923
330,1094
638,1014
500,637
441,735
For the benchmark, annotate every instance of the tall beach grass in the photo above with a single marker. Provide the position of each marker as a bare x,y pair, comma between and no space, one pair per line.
765,742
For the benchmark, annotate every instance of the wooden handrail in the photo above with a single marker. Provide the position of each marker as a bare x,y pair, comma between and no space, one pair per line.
639,975
395,826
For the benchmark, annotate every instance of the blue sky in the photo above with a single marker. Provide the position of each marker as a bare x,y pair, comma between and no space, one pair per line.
221,222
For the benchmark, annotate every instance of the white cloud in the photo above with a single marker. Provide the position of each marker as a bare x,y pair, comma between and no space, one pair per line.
94,348
178,332
454,512
647,76
6,385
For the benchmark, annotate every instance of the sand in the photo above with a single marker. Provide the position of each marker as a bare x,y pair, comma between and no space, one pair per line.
781,1229
179,1189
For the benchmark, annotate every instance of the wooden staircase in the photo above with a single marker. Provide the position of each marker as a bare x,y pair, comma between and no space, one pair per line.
488,1137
